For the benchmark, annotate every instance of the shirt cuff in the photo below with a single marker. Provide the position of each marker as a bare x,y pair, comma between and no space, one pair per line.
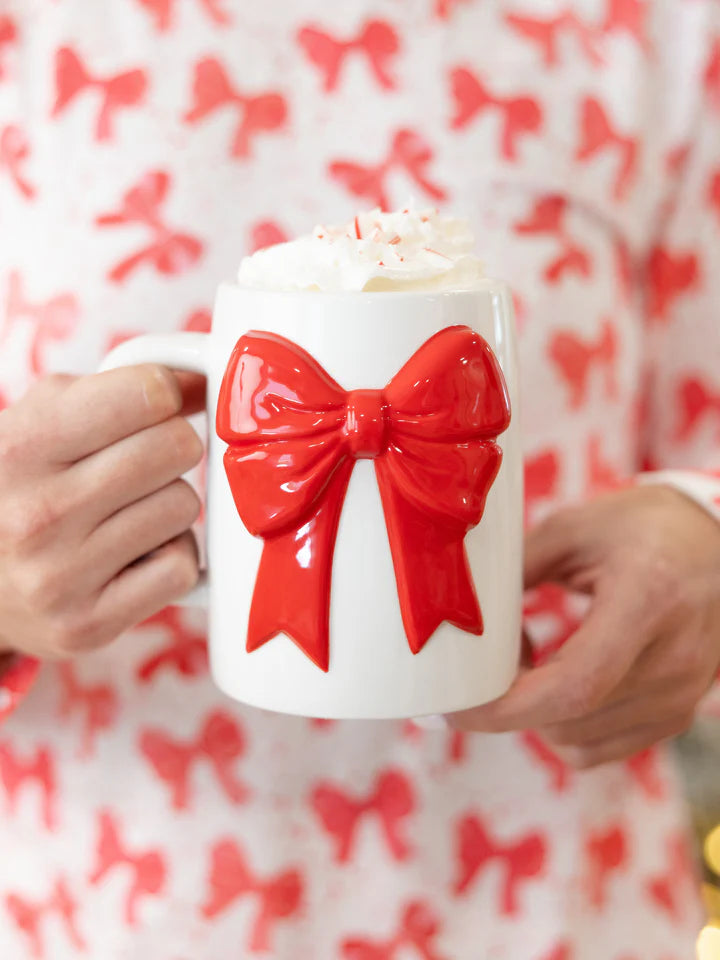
16,678
703,488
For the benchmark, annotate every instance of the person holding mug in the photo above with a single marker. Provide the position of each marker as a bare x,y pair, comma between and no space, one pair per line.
141,811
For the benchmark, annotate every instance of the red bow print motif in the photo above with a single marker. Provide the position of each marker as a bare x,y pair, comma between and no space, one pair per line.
542,476
391,801
28,917
20,674
562,951
212,90
606,854
55,319
548,217
16,772
712,74
575,358
668,889
125,89
8,36
419,926
601,474
408,152
169,252
550,602
597,135
520,115
220,742
695,401
644,768
377,39
294,435
522,861
186,652
163,12
558,770
627,15
148,869
669,276
14,151
444,8
547,33
714,192
266,234
97,703
279,897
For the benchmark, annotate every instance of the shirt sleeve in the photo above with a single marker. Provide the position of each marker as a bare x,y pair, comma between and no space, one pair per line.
682,307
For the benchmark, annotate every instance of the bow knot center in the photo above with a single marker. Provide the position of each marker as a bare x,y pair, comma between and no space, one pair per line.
366,423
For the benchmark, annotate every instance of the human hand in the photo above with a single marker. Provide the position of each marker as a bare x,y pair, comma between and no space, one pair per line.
649,647
94,525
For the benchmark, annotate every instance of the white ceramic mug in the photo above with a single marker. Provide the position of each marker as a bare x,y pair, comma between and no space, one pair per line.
362,340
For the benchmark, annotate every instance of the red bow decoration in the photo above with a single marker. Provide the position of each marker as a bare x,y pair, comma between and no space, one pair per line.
521,115
523,860
548,217
377,40
212,90
186,652
149,872
279,896
294,435
575,358
419,927
670,274
15,771
8,35
696,401
169,251
597,135
123,90
391,801
220,741
711,76
547,32
606,853
408,152
163,11
55,319
97,703
29,916
14,151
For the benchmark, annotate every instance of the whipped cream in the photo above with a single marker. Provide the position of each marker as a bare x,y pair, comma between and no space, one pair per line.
405,250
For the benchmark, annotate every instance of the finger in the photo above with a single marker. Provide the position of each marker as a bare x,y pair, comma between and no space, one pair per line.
193,387
582,674
132,468
137,530
611,722
146,587
550,548
96,411
625,746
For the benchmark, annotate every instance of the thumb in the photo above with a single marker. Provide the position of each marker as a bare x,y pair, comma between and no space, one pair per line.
550,549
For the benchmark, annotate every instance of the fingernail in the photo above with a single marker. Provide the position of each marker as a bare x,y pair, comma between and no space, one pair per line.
432,721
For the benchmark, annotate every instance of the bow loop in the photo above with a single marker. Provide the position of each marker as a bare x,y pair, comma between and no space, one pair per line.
470,405
274,390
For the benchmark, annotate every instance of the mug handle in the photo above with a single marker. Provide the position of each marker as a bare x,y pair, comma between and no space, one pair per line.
179,351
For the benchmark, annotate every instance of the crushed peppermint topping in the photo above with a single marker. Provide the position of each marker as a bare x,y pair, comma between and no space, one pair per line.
402,250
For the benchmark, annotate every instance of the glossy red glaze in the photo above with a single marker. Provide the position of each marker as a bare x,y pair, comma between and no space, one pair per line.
293,436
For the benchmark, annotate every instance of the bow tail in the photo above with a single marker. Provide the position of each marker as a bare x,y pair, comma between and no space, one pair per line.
433,576
292,589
